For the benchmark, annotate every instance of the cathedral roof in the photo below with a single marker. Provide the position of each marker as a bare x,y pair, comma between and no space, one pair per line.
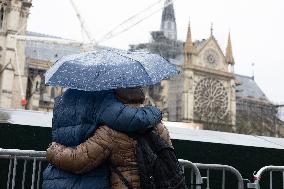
35,34
47,51
199,44
247,88
168,12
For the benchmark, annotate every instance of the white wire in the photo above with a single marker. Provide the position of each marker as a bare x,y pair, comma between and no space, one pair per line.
112,34
82,22
128,28
131,18
17,61
107,36
18,69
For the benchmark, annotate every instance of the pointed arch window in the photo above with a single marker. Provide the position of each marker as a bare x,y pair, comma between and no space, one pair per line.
52,93
1,17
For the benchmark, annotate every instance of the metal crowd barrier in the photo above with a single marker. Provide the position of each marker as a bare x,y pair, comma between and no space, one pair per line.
224,169
194,173
196,179
14,156
270,169
196,167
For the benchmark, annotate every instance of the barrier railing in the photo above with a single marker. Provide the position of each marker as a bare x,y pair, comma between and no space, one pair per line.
224,169
194,172
196,180
270,169
196,167
14,156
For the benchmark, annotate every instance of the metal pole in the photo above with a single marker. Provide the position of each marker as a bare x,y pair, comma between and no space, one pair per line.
38,174
225,167
258,175
208,184
191,179
223,179
283,179
270,178
182,169
9,174
14,172
33,175
24,174
28,153
198,178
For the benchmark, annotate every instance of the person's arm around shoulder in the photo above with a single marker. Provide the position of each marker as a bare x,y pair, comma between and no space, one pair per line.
123,118
85,156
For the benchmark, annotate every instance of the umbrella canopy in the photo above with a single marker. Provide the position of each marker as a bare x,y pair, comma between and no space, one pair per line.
105,68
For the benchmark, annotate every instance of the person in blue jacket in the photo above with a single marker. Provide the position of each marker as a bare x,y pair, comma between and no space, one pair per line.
77,114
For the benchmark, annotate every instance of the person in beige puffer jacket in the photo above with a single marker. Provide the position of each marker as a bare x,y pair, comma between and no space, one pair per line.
106,145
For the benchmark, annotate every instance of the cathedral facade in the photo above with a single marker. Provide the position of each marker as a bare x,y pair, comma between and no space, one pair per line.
207,92
24,60
208,84
205,89
13,79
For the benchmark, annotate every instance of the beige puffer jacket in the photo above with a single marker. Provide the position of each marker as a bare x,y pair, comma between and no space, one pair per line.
104,144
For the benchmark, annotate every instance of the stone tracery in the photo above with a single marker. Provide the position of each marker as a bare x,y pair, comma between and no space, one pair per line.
211,100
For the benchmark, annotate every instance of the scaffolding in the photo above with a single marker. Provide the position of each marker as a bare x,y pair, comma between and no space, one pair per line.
258,118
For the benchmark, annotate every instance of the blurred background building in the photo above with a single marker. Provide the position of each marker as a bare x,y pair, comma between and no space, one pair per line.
207,93
281,111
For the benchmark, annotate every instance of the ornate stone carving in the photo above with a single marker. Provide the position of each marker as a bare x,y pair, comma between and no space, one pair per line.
210,100
211,56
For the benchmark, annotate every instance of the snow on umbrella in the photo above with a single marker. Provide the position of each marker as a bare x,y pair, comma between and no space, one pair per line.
106,68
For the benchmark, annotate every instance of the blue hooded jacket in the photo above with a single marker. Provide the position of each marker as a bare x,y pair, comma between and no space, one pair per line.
76,116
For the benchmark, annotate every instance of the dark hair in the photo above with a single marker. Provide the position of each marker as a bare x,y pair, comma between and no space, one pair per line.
130,95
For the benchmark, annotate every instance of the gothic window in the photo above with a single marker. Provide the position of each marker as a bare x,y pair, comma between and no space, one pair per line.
1,17
37,84
211,56
52,93
211,100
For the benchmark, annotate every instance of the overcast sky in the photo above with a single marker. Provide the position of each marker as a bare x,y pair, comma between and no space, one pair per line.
257,29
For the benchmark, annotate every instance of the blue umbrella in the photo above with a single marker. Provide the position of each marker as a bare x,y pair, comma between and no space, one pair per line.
106,68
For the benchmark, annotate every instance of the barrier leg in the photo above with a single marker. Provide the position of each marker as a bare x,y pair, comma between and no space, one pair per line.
208,184
283,179
191,179
38,174
270,179
24,174
14,172
33,175
223,179
9,174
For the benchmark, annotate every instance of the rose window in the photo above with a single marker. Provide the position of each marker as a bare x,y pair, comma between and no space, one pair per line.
211,100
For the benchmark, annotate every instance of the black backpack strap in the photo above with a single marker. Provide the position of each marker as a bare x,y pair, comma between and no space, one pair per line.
122,178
